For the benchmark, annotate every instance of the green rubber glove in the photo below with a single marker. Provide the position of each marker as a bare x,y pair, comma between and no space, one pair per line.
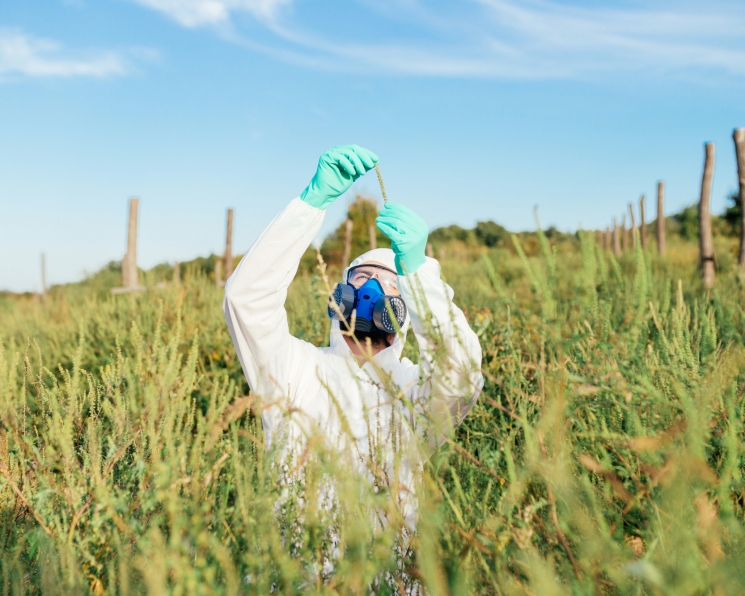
338,168
408,234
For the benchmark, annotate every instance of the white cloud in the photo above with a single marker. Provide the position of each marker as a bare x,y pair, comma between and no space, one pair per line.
564,38
534,39
21,54
195,13
538,39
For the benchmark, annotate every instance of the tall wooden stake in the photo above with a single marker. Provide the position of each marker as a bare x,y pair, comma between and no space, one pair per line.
347,243
228,256
739,137
43,277
704,218
633,225
661,217
176,273
624,234
373,237
616,239
130,273
218,273
642,223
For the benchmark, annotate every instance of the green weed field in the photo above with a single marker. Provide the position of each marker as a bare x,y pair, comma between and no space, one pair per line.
605,455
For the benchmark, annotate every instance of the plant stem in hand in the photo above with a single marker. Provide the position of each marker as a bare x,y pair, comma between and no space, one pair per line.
382,186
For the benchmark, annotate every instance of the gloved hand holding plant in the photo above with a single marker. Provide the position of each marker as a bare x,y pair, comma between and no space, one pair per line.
338,168
408,233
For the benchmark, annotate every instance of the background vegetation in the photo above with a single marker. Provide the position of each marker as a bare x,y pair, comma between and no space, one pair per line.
605,455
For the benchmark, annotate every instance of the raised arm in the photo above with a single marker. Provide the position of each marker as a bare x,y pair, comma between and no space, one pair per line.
449,350
255,297
255,294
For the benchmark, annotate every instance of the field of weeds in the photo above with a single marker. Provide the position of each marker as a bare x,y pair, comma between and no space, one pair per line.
605,455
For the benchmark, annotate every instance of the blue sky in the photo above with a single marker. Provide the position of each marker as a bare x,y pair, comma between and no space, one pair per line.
478,109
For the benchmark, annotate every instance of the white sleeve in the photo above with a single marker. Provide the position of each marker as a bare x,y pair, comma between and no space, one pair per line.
449,350
254,305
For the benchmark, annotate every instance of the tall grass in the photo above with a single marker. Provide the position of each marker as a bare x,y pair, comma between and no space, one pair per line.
605,455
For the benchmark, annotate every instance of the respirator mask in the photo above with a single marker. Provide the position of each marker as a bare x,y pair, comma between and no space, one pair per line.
375,310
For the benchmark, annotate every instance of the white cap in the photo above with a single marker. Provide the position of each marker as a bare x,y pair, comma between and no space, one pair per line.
382,255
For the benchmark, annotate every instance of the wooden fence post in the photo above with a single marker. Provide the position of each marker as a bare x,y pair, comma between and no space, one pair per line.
661,217
218,273
228,256
347,243
739,137
43,277
176,273
130,273
373,237
624,234
616,239
633,226
704,218
642,223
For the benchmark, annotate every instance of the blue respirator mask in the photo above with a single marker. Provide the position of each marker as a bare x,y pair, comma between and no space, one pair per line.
374,309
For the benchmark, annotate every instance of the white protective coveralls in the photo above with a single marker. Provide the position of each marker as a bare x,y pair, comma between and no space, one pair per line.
306,390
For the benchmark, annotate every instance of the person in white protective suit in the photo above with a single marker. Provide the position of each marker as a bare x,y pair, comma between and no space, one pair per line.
360,382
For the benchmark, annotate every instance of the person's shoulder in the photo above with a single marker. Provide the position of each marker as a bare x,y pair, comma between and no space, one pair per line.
330,353
326,350
410,371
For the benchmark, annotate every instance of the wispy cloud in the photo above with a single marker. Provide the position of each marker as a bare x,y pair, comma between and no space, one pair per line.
196,13
25,55
535,39
566,39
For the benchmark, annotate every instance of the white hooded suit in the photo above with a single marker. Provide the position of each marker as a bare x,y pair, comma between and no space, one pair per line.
308,390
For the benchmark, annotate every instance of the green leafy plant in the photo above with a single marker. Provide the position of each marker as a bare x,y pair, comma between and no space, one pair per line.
605,455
